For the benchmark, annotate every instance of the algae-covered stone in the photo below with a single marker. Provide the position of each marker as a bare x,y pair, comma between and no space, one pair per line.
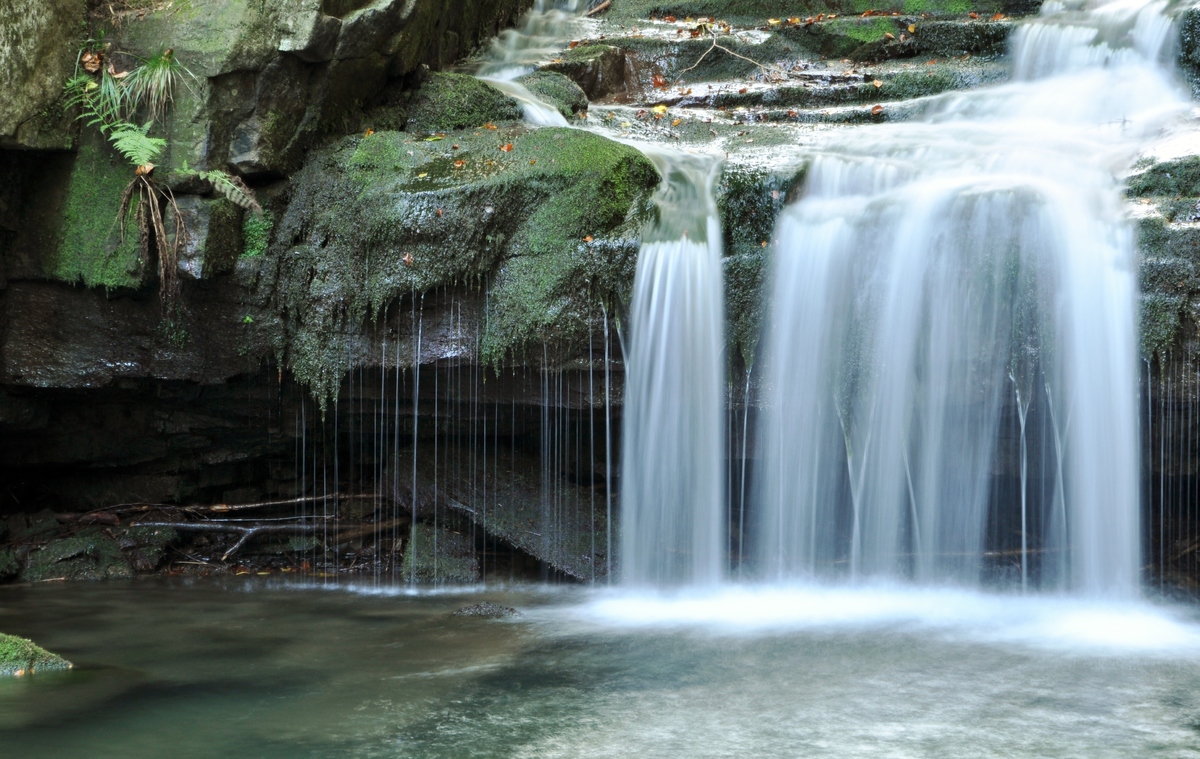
1178,177
87,555
598,70
457,101
440,556
19,656
9,564
145,547
556,90
378,218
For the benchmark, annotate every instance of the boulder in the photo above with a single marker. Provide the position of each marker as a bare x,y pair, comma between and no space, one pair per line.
19,657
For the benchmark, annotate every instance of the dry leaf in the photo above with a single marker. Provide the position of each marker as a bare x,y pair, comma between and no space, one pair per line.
659,110
490,125
659,81
877,110
998,17
422,175
507,147
459,164
372,131
408,259
973,14
912,28
588,238
676,122
742,91
889,35
931,61
669,19
774,21
143,170
439,213
112,71
91,61
878,83
574,44
532,161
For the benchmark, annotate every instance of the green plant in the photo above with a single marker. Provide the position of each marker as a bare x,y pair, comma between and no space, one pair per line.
153,82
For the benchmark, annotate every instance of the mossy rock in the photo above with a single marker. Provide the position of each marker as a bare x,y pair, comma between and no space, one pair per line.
380,218
9,563
19,656
88,246
759,11
446,102
598,70
145,547
439,556
87,555
31,526
1168,178
557,90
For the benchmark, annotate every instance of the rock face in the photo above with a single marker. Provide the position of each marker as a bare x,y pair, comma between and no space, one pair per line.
37,53
20,657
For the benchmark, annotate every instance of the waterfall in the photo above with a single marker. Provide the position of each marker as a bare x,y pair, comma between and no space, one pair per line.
954,302
672,491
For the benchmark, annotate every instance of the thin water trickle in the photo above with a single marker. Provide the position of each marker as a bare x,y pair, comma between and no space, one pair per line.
928,265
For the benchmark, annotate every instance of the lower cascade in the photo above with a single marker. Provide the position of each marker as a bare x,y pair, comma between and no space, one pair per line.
671,460
954,298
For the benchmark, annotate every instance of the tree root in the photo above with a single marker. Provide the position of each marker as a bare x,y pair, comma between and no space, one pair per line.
247,532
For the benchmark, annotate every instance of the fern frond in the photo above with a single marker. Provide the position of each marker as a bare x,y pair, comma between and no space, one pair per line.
233,188
134,143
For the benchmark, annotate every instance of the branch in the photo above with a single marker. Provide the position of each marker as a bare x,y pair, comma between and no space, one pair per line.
598,9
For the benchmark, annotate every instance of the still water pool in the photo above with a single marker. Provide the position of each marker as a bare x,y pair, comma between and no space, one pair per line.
174,669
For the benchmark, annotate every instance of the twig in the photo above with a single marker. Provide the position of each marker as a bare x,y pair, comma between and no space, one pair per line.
223,507
245,532
716,45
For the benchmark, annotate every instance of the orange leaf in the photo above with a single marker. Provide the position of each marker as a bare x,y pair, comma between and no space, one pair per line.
369,133
791,114
659,81
459,164
532,161
439,213
490,125
912,28
408,259
588,238
877,110
91,61
931,61
507,147
574,44
742,91
998,17
676,122
973,14
669,19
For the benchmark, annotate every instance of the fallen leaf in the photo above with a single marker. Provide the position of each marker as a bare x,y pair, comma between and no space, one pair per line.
669,19
931,62
877,110
439,213
659,110
742,91
912,28
369,133
831,17
435,138
532,161
91,61
626,124
973,14
659,81
574,44
878,83
422,175
998,17
581,115
774,21
507,147
490,125
791,114
588,238
764,243
143,170
112,71
408,259
889,36
676,122
868,13
454,146
459,164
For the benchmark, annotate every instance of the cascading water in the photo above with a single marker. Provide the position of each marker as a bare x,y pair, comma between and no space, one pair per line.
942,279
672,509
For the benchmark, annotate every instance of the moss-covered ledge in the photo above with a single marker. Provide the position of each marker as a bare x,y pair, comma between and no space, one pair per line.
19,657
545,220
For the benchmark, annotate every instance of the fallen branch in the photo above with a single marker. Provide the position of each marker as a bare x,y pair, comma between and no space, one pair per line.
771,71
250,531
599,8
224,507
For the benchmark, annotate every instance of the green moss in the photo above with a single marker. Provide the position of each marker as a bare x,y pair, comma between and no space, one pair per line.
377,219
9,565
456,101
1169,178
557,90
1160,320
21,656
256,233
87,555
90,249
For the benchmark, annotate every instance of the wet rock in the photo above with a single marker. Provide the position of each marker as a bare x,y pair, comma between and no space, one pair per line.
19,657
9,563
22,527
456,101
146,546
557,90
38,42
488,610
437,555
598,70
89,554
214,237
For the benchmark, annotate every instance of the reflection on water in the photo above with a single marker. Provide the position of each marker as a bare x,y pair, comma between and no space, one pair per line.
241,670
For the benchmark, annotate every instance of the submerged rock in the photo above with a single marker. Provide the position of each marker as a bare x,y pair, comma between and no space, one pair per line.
19,656
488,610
